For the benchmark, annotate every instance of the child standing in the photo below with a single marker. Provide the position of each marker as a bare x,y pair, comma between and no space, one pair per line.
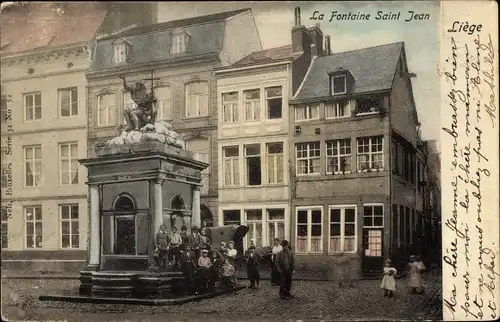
228,278
415,270
388,282
253,266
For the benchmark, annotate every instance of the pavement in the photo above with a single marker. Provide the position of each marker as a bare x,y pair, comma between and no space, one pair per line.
313,301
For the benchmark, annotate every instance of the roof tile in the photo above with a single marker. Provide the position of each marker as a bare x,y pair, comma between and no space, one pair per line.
267,56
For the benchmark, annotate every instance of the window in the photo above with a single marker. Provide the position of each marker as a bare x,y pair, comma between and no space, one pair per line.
230,107
33,106
308,158
342,229
3,109
370,153
338,109
120,53
106,109
395,235
164,103
178,44
307,112
402,233
254,223
420,176
338,156
373,215
252,104
274,100
407,226
5,229
231,166
68,101
309,230
205,173
231,217
33,165
368,105
400,159
197,99
68,156
70,236
275,224
253,164
275,170
33,216
339,84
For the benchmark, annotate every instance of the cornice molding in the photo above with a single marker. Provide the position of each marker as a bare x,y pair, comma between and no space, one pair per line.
46,55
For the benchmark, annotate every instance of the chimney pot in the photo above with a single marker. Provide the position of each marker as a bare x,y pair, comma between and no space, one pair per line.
297,16
317,25
328,50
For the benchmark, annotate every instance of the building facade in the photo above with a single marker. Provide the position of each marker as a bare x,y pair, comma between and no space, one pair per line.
354,199
181,56
44,197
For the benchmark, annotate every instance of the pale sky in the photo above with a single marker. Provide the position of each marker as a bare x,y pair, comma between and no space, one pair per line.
274,21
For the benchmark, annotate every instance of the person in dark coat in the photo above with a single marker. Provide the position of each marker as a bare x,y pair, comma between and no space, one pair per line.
253,266
162,240
194,241
188,262
285,261
275,275
184,238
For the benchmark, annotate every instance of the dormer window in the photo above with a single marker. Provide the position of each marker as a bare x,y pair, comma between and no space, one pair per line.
179,44
121,50
339,84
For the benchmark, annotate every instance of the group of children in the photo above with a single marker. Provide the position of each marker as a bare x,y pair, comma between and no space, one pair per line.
414,270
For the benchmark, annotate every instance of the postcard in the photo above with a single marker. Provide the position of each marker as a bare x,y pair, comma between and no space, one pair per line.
250,161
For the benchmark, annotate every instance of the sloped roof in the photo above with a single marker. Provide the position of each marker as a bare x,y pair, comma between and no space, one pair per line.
373,69
153,42
38,24
267,56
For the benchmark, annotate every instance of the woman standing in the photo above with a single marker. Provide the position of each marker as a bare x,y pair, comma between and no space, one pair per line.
275,275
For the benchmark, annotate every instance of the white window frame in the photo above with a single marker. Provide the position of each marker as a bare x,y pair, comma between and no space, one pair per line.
336,108
232,106
33,162
329,157
373,214
119,53
70,221
70,158
342,223
255,112
267,98
165,105
370,153
275,223
275,160
109,109
333,86
34,221
309,228
5,232
308,109
71,102
198,109
254,223
34,107
308,158
178,43
235,180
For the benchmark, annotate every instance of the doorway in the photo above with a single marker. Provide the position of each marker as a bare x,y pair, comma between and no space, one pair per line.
373,259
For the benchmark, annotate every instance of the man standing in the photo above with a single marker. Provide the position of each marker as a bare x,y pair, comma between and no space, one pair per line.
175,244
188,265
194,241
286,267
161,252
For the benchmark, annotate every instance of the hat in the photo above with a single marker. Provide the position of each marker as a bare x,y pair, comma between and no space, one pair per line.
388,260
184,227
204,250
194,228
251,247
413,257
230,242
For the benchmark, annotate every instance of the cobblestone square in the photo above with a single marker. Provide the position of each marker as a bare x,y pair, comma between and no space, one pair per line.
314,300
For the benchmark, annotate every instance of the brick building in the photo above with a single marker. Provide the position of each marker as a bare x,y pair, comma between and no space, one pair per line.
357,170
182,55
44,49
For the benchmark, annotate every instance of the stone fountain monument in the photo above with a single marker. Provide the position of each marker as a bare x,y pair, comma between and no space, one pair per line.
138,181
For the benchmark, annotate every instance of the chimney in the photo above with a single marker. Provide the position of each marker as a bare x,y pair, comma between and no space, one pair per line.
328,49
301,39
297,16
316,40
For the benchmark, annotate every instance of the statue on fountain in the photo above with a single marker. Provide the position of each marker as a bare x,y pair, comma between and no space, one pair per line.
144,112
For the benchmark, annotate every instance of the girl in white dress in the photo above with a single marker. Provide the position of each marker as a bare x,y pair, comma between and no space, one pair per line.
388,282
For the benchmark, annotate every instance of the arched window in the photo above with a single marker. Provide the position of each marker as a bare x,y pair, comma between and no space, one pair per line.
124,203
106,109
197,99
177,202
